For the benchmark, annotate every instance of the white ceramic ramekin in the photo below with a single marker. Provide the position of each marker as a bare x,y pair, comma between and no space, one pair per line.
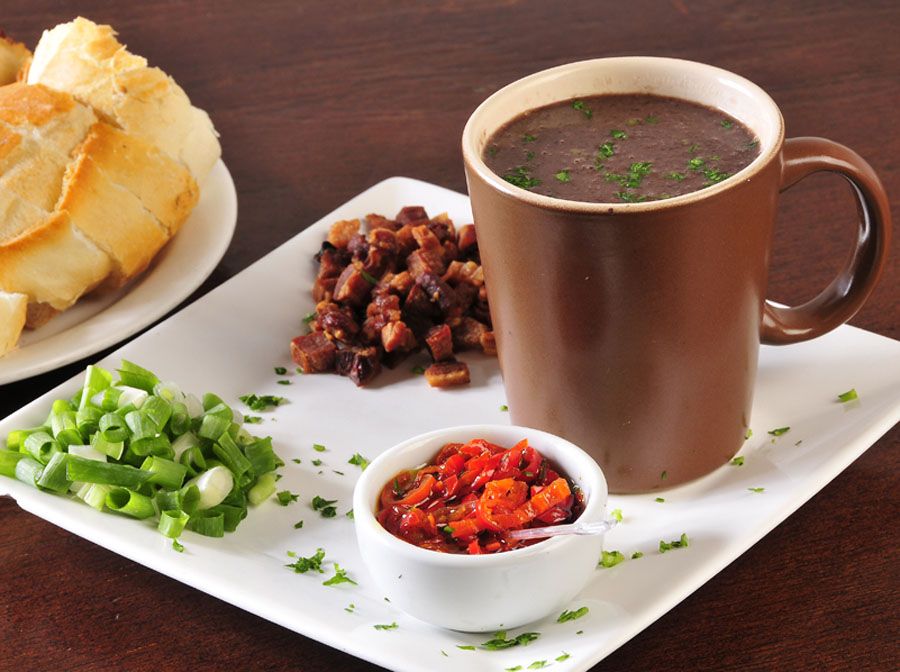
483,592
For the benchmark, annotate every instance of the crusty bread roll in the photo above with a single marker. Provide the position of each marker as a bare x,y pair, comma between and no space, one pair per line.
52,263
14,57
86,60
12,319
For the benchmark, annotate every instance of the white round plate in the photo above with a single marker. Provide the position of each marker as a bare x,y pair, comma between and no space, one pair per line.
99,321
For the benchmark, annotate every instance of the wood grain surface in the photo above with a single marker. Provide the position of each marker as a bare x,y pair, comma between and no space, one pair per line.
316,101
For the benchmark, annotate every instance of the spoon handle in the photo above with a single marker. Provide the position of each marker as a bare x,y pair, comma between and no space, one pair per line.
598,527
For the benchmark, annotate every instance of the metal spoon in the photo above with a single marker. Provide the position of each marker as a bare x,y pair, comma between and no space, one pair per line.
555,530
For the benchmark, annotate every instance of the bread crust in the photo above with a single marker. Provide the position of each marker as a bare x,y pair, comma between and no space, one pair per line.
13,308
14,57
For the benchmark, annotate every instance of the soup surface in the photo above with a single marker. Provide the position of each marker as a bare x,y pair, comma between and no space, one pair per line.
620,148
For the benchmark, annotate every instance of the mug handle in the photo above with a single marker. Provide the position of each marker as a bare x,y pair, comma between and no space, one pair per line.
848,291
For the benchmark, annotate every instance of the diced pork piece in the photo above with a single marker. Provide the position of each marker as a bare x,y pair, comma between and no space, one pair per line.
352,286
361,365
412,214
401,283
358,247
447,374
331,261
438,291
385,240
406,241
313,353
380,222
385,306
336,322
323,289
377,262
442,227
341,232
397,336
488,343
449,251
468,333
467,241
421,262
418,304
425,239
439,341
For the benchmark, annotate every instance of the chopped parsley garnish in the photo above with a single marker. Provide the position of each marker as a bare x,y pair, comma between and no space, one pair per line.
252,419
349,514
513,669
714,176
637,555
538,664
312,563
617,514
309,317
368,277
849,395
678,177
563,176
350,608
726,123
606,150
651,119
177,546
738,461
660,500
339,473
324,506
521,177
748,434
637,171
618,135
418,370
286,497
628,197
261,402
529,138
340,576
298,525
696,163
492,151
563,656
297,460
611,559
779,431
693,149
319,448
671,545
633,122
359,461
465,647
280,370
317,462
756,490
584,109
500,641
753,143
446,529
504,408
284,382
529,156
663,475
579,632
389,626
572,615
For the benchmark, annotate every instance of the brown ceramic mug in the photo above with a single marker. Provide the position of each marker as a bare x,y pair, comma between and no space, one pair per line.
633,329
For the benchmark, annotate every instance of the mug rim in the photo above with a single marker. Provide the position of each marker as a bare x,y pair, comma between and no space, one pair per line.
473,160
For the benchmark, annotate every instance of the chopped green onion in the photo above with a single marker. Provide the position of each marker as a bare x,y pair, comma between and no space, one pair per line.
8,461
172,522
617,514
849,395
53,477
132,375
129,502
214,486
41,446
177,546
209,524
82,470
264,488
28,470
166,473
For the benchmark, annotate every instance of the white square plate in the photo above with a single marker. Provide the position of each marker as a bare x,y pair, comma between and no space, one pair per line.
229,342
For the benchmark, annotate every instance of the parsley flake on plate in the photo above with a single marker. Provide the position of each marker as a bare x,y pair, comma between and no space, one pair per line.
756,490
500,641
262,402
779,431
637,555
389,626
280,370
849,395
324,506
359,461
312,563
340,576
286,497
738,461
617,514
567,615
610,559
671,545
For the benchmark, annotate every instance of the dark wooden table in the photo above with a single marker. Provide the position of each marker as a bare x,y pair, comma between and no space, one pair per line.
317,101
